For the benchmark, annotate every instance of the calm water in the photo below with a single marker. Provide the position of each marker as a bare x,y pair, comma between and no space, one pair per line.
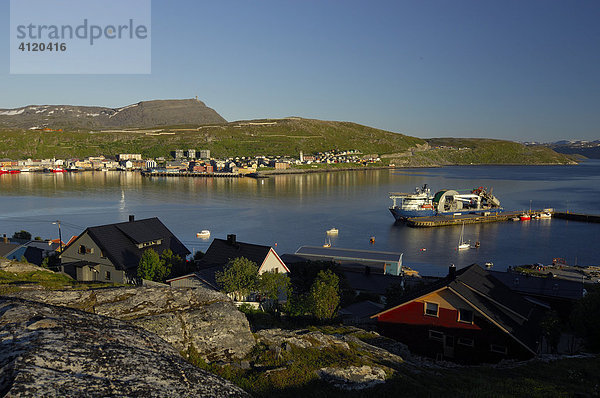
295,210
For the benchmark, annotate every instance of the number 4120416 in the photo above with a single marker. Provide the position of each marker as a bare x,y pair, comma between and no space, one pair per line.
43,46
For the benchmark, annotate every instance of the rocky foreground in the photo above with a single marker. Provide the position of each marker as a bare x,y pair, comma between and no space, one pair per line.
50,351
200,318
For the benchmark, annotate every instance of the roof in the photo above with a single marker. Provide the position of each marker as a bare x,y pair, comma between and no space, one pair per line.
538,286
362,309
221,251
6,248
119,241
503,307
373,282
335,253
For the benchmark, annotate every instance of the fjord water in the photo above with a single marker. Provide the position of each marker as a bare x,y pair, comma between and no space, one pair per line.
294,210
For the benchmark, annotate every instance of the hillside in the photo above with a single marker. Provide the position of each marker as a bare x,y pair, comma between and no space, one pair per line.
142,114
467,151
286,137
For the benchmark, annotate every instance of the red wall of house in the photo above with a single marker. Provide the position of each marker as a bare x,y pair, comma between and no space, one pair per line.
414,314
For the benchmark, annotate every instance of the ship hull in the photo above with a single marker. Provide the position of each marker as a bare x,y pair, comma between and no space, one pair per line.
402,215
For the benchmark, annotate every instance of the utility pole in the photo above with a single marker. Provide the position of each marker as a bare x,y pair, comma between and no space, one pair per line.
59,236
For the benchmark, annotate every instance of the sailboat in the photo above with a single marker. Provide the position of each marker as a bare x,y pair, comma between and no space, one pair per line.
461,242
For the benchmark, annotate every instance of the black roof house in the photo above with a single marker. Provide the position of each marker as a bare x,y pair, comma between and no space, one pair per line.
221,251
119,246
120,242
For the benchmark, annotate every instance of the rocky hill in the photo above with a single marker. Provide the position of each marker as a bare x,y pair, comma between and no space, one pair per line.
51,351
142,114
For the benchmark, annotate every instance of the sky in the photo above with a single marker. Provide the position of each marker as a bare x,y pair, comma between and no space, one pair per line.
525,70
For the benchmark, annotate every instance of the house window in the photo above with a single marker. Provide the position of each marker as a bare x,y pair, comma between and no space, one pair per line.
466,341
276,270
500,349
431,309
435,335
107,275
465,316
82,249
102,254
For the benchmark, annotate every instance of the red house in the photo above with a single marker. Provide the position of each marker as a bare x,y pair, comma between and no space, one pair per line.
468,317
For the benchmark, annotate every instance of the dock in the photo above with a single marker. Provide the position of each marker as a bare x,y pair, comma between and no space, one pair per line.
443,221
577,217
189,174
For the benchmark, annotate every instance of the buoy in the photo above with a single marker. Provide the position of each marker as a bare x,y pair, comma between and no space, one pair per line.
372,240
423,249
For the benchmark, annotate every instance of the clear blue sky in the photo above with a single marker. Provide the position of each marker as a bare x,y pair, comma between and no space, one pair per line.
512,69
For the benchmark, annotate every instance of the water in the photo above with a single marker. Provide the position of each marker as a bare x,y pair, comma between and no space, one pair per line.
294,210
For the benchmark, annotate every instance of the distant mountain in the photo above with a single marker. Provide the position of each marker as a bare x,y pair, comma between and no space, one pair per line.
141,115
589,149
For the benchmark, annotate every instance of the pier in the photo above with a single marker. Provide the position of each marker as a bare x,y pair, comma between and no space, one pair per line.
189,174
443,221
577,217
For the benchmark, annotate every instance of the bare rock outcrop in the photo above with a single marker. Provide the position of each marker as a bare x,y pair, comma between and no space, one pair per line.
202,318
50,351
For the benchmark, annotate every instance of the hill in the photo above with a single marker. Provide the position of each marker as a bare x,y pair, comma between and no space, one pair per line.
286,137
589,149
142,114
477,151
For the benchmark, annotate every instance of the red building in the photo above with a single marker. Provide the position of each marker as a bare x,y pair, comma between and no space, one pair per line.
468,317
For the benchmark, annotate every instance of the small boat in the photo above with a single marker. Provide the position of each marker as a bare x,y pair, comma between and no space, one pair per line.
372,240
332,231
327,242
545,215
204,234
58,170
525,217
489,264
462,245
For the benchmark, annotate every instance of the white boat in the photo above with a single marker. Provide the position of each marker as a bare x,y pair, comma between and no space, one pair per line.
332,231
204,234
545,214
327,242
462,245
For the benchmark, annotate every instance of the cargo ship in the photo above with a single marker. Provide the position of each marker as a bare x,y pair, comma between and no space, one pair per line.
446,202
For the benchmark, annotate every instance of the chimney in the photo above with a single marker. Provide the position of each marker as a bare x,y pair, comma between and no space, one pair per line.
452,272
231,239
5,238
131,218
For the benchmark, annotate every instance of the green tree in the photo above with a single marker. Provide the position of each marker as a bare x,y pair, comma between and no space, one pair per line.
173,264
324,295
239,277
22,234
51,261
151,267
584,319
272,285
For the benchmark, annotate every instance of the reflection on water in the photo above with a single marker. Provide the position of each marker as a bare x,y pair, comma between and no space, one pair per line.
294,210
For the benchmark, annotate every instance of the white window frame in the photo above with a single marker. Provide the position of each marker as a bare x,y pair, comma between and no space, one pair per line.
498,348
466,341
437,308
433,333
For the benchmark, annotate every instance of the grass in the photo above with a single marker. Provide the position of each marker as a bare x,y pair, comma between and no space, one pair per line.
11,282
